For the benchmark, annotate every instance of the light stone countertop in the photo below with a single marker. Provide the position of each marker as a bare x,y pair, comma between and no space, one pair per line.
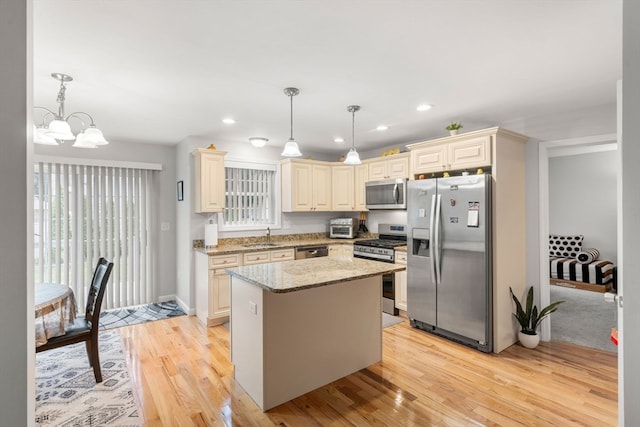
290,276
225,249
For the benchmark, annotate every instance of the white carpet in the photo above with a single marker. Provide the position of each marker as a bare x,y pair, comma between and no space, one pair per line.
67,394
584,318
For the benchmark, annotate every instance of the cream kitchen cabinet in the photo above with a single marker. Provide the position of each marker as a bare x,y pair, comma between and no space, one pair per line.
212,287
341,250
306,186
268,256
452,153
343,188
209,186
401,282
361,177
391,167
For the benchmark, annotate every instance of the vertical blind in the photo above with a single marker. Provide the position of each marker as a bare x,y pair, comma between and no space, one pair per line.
82,213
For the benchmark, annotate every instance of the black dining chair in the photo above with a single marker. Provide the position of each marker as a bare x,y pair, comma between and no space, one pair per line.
86,328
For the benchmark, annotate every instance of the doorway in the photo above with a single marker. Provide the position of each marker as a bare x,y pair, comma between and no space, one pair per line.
547,150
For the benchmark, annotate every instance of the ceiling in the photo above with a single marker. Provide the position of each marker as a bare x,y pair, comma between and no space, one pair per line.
160,71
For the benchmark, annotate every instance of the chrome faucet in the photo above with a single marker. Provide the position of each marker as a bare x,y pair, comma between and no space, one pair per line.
268,235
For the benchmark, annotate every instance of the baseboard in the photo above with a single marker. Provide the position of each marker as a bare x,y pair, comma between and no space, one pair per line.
184,307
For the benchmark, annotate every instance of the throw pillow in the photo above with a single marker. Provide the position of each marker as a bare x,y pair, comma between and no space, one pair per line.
565,246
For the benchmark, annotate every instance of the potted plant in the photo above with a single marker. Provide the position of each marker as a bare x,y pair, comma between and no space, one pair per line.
453,127
529,318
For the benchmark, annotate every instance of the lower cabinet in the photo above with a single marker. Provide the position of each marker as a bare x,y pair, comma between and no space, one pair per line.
342,250
213,284
212,287
401,282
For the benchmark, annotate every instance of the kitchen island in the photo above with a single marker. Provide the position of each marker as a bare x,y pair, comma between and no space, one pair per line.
298,325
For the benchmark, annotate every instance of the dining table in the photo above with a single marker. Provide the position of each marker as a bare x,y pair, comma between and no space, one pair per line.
55,309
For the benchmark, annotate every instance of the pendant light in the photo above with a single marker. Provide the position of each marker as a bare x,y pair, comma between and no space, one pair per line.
291,147
352,156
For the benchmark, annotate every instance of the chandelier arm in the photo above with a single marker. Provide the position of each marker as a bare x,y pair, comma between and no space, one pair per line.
74,114
49,112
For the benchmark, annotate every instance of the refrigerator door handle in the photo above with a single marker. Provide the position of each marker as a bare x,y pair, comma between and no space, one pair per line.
432,263
436,241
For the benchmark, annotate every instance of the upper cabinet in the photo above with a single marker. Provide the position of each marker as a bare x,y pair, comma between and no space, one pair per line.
343,187
395,166
361,177
209,184
306,186
452,153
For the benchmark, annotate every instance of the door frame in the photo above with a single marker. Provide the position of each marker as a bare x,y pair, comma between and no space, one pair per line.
543,210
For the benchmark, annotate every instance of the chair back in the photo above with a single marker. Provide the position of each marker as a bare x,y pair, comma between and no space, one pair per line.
96,291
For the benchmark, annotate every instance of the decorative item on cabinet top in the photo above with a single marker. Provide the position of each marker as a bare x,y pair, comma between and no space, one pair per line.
453,127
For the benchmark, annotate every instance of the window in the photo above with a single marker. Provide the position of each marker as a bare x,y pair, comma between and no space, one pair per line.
251,196
84,212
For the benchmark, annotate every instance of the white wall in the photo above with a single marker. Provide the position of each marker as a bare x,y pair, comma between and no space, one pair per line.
582,199
165,241
17,399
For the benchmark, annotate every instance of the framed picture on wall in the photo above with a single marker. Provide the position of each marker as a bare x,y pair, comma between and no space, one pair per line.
180,191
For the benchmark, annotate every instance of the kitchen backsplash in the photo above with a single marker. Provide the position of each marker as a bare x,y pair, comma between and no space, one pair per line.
199,243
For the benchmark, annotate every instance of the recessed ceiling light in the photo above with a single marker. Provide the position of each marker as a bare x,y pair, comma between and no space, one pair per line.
382,127
424,107
228,121
338,139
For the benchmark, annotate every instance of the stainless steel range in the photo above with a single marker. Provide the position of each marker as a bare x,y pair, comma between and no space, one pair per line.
383,249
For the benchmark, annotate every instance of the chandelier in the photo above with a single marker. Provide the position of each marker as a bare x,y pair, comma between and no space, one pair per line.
54,127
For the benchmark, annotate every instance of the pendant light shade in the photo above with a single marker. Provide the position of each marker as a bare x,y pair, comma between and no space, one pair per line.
353,158
39,137
60,129
291,147
83,142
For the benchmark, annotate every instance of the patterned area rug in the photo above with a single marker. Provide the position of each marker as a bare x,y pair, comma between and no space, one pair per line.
139,314
67,394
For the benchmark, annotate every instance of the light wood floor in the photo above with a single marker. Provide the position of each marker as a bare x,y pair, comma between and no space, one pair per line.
182,376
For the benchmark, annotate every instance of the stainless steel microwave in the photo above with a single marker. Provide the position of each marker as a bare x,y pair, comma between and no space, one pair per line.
387,194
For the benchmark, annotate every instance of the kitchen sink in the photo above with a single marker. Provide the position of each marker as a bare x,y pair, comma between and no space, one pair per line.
260,245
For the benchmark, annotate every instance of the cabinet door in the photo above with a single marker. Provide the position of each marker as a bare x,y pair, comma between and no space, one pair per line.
219,293
321,187
470,153
398,167
377,170
209,185
343,187
429,159
301,187
361,177
401,282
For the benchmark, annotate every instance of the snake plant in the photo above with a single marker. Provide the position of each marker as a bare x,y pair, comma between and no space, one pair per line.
529,318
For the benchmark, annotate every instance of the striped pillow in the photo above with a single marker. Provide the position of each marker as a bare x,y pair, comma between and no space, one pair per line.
565,246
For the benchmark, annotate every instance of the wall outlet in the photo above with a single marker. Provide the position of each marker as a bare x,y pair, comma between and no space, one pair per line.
165,226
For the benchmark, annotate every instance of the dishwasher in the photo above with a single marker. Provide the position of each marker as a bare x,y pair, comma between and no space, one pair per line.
303,252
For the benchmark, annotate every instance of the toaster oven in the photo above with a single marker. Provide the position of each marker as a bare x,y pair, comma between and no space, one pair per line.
343,228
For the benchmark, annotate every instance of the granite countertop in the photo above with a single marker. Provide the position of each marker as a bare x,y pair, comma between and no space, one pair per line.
290,276
235,247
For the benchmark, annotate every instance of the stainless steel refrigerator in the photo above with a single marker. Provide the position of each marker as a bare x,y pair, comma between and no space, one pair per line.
449,278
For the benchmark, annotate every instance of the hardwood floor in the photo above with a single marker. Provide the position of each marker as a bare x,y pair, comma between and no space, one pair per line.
182,376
